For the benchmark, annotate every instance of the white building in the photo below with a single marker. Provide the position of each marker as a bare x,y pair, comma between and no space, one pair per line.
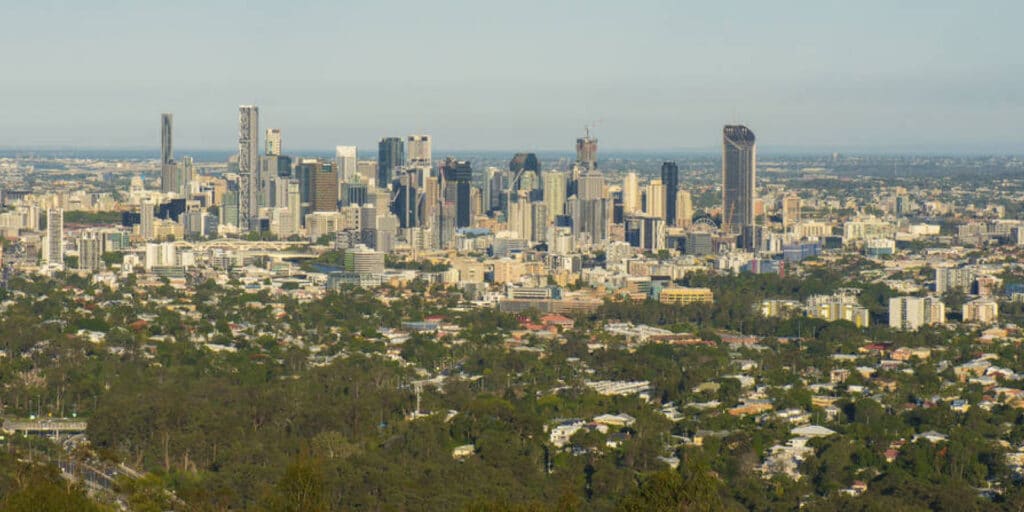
911,313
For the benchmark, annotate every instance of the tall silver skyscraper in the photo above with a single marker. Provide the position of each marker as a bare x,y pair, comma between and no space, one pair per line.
248,162
739,173
168,169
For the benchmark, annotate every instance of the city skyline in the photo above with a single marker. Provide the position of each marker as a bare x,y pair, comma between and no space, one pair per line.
875,77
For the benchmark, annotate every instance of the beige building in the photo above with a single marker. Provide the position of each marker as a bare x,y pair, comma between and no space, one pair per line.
683,296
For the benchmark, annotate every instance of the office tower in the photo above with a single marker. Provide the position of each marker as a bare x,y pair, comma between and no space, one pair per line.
53,248
406,204
645,231
168,170
367,171
90,248
273,142
586,153
684,209
248,166
390,157
911,313
790,210
319,185
656,206
353,194
346,162
554,193
739,174
418,151
294,203
494,189
458,176
591,211
670,179
631,193
147,230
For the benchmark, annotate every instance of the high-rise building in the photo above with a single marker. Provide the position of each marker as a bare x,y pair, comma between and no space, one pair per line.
319,185
147,228
168,169
346,161
166,144
790,210
53,247
586,153
494,189
911,313
273,142
90,248
631,193
739,175
684,209
390,157
554,194
248,166
458,175
294,203
670,179
367,171
656,206
418,151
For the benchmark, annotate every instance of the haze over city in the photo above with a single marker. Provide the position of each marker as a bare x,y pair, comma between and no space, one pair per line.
819,76
526,256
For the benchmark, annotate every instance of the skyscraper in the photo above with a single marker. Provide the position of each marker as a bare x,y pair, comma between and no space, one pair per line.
790,210
390,156
670,178
273,142
631,193
656,205
90,248
345,159
168,170
684,209
166,146
319,185
586,153
554,193
418,151
739,174
53,248
458,175
248,164
147,231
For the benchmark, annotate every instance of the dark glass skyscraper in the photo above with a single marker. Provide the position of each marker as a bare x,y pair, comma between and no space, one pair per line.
670,179
390,156
458,175
739,170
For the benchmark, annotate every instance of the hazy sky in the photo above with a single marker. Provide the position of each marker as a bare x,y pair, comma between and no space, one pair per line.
478,74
